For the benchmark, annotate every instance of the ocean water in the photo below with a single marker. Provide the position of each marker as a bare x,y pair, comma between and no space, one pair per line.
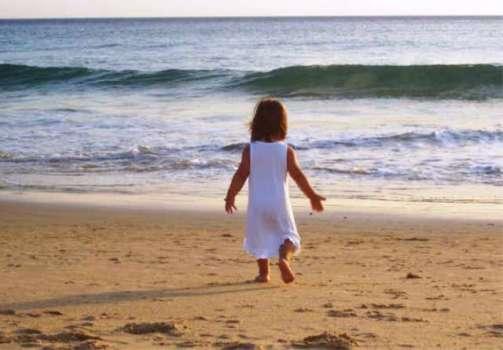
386,108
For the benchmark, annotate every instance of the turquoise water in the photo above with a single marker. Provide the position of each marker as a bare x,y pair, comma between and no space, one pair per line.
388,108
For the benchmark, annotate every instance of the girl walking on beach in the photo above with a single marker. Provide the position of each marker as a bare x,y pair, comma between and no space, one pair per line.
266,160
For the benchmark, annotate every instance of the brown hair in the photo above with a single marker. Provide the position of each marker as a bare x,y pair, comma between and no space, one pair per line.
269,121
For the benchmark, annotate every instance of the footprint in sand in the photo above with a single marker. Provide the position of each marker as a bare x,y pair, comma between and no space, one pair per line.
464,334
88,318
412,239
189,344
7,312
366,335
326,340
379,316
86,324
53,313
28,337
406,345
4,339
493,330
233,321
303,309
237,346
14,265
200,318
341,313
166,328
395,293
434,309
354,242
412,319
387,306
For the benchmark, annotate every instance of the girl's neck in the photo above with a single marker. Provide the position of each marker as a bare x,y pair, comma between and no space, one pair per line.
271,140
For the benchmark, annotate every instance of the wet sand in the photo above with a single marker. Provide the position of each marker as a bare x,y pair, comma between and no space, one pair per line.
88,277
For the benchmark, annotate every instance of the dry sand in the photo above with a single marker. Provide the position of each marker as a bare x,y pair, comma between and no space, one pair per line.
84,277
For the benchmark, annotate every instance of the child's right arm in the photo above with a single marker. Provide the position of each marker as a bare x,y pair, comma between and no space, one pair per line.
301,180
238,180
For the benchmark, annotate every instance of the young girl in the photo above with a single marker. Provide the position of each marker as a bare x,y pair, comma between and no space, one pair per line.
270,226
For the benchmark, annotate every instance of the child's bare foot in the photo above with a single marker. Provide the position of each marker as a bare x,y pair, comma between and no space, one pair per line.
285,252
263,271
287,274
262,279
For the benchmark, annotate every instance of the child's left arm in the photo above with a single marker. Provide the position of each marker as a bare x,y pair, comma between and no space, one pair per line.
298,176
238,180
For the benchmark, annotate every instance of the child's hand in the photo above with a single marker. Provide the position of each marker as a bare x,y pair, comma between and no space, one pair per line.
316,202
230,206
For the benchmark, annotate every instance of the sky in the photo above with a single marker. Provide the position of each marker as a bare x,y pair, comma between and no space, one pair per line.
210,8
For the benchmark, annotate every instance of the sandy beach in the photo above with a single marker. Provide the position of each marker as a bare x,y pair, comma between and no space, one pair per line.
90,277
127,126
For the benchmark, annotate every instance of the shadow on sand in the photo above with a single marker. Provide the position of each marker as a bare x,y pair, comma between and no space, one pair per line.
128,296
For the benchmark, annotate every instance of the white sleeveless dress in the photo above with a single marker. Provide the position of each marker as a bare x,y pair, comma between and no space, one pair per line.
269,218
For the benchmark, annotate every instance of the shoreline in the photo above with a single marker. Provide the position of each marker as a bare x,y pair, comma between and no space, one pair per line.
189,203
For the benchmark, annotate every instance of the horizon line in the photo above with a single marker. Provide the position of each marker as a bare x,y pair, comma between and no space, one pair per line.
245,17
